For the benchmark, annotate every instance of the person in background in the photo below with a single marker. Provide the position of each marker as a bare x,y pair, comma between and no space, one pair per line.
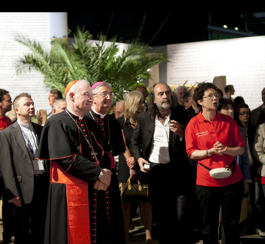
190,105
144,91
180,91
59,106
259,154
226,107
7,208
229,91
26,178
187,100
243,119
118,109
41,114
214,140
238,100
53,95
220,92
133,105
257,114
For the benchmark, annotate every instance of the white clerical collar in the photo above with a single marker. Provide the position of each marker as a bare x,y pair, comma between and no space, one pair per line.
80,117
101,115
27,126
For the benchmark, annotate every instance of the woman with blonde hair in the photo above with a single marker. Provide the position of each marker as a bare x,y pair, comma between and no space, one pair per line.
132,106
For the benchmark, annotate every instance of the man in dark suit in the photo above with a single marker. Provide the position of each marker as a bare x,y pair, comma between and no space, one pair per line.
158,143
257,115
26,180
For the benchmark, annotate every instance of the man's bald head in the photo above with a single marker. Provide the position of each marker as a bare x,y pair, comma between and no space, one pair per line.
118,109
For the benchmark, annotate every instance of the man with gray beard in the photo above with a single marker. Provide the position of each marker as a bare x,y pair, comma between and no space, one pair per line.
158,146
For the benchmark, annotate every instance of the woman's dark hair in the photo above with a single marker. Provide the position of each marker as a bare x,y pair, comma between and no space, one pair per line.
236,116
200,89
220,92
223,103
238,100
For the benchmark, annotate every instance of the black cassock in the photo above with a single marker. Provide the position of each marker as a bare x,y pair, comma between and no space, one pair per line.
76,212
112,133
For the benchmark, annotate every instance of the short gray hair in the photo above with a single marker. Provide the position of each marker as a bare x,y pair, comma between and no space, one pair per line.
56,104
181,87
106,84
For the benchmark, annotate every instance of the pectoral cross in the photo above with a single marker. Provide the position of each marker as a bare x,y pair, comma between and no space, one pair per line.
94,153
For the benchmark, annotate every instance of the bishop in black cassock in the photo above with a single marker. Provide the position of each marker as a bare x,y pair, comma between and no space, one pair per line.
112,133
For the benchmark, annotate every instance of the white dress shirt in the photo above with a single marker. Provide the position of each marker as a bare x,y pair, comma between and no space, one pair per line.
32,143
159,150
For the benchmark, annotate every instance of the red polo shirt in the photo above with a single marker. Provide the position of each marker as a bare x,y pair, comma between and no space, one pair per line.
4,122
202,134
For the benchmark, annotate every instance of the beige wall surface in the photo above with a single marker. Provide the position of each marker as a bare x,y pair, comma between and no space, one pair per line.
240,60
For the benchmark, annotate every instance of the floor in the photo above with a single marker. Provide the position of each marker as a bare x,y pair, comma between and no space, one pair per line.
137,235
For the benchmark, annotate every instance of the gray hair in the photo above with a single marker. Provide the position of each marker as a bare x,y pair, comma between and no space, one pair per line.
186,97
56,104
106,84
75,88
181,87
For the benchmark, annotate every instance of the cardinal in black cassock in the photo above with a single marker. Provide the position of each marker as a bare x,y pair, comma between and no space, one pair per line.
77,213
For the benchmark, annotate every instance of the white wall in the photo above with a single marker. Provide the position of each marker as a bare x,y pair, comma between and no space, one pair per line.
36,26
241,60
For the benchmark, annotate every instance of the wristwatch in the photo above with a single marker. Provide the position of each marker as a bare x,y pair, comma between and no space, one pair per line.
207,152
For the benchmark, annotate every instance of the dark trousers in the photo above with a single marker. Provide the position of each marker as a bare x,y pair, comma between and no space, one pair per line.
260,220
229,198
30,218
7,215
163,196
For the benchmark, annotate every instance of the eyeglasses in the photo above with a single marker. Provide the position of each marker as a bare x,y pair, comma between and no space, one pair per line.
211,96
87,94
243,113
106,94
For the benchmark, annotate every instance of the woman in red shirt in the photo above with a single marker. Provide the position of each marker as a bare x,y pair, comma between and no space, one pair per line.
214,140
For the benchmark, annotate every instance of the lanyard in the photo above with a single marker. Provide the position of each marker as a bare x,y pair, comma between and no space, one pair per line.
29,143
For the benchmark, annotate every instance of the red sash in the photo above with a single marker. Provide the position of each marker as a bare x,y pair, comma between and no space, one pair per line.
78,224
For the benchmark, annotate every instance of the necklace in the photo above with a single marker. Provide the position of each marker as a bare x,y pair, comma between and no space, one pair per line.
90,144
108,139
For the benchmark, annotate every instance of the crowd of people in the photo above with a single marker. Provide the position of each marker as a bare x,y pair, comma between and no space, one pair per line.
200,152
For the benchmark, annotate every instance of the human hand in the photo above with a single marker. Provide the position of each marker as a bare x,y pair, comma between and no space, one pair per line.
133,174
100,186
17,201
176,128
220,148
246,188
41,116
130,162
141,163
106,177
214,151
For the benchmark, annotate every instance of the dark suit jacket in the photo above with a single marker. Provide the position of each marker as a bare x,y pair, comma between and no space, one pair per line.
142,140
255,115
16,163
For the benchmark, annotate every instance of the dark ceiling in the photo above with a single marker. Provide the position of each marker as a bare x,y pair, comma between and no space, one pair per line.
161,28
